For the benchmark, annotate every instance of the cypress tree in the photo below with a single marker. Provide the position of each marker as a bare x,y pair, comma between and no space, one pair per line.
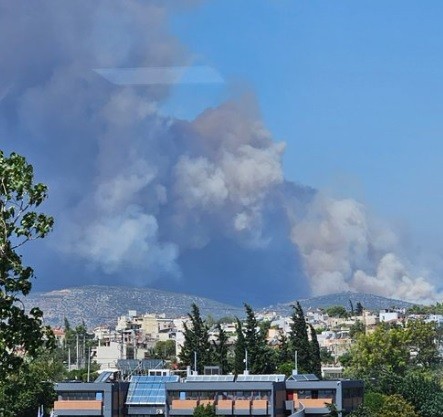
299,341
196,342
240,347
221,348
259,354
315,354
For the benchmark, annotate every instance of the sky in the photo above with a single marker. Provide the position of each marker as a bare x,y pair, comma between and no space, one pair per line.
254,150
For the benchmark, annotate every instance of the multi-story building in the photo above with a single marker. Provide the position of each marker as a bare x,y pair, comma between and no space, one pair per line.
160,393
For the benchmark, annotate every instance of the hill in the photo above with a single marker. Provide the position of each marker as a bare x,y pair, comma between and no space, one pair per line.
368,301
98,305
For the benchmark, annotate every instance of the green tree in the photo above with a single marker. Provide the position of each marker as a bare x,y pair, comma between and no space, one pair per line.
422,339
165,349
326,356
298,339
385,349
359,309
315,353
239,349
337,311
422,390
22,333
284,353
221,348
207,410
196,345
32,386
357,328
362,411
259,354
373,401
395,406
285,368
395,350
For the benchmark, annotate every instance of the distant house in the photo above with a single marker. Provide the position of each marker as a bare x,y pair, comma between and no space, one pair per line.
391,315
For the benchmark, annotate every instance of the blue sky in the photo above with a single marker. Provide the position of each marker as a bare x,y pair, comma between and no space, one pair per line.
178,186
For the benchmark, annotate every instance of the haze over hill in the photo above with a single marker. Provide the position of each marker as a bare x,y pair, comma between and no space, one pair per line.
98,305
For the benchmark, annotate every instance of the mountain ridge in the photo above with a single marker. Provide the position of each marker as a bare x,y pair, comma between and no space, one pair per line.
102,305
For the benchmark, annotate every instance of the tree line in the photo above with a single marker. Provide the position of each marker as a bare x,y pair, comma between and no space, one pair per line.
251,351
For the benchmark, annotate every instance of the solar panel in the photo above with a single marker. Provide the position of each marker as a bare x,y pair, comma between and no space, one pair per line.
132,365
210,378
261,378
148,390
104,376
303,377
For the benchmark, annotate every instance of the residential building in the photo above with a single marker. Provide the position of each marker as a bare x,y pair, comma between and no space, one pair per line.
102,399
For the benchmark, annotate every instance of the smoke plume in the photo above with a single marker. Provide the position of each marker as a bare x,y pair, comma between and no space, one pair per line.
140,198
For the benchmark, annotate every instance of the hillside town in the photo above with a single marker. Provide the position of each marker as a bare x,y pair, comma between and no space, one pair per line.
136,336
144,354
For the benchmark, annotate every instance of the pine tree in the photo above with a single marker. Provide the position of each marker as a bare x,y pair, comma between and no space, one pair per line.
221,348
196,346
315,354
359,309
259,354
284,353
298,339
239,350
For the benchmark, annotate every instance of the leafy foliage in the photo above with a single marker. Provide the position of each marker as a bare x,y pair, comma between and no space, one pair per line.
165,349
356,329
207,410
337,311
21,334
394,350
32,386
395,406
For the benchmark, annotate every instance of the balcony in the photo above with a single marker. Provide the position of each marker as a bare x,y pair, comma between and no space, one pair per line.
242,407
224,407
88,407
313,406
183,407
239,407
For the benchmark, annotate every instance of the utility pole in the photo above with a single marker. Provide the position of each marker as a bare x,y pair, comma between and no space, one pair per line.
77,352
295,363
89,363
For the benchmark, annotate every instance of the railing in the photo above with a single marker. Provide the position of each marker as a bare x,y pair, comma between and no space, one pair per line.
184,404
299,412
315,403
240,406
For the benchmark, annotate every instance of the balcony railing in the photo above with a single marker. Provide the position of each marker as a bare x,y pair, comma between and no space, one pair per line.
65,407
222,407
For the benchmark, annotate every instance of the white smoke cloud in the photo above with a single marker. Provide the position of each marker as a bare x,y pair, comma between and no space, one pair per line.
124,241
199,183
343,250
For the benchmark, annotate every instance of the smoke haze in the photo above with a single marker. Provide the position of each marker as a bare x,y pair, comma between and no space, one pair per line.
145,199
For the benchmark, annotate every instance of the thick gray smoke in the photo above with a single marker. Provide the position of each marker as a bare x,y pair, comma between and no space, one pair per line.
141,198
